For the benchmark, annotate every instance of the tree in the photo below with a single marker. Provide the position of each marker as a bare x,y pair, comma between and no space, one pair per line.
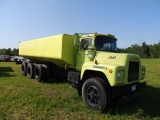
155,50
2,51
8,51
15,52
120,50
134,49
144,53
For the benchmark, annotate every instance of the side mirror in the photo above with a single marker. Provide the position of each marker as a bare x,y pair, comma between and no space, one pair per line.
76,40
91,52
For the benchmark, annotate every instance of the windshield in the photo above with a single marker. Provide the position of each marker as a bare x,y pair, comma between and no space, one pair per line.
103,43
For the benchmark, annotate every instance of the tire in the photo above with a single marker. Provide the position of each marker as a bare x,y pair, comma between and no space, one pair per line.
30,70
96,94
38,72
24,68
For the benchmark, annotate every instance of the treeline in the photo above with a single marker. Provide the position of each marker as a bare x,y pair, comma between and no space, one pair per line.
144,51
9,51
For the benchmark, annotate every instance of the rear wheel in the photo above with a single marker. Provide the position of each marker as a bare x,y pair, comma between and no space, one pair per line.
24,68
96,94
38,72
30,70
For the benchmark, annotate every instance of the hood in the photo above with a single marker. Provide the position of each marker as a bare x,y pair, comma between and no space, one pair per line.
115,58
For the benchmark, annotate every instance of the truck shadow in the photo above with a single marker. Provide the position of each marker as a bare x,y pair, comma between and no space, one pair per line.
147,105
5,71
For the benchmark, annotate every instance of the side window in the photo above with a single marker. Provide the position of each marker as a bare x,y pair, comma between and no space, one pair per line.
86,43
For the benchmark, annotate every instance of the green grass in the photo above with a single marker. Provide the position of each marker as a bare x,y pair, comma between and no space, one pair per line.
22,98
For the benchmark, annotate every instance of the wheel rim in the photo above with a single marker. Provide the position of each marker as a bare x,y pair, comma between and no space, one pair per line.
93,95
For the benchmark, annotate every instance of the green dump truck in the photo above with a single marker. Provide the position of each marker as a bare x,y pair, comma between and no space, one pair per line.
91,63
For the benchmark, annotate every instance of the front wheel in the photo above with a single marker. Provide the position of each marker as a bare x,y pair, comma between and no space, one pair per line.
96,94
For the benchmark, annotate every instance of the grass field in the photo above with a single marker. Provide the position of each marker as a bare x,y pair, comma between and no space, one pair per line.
22,98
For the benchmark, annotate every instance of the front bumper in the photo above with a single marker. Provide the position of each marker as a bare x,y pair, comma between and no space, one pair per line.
127,89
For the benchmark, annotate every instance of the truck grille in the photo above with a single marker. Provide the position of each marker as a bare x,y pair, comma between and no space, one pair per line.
133,71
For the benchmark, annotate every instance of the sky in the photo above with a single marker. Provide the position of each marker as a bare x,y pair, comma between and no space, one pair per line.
131,21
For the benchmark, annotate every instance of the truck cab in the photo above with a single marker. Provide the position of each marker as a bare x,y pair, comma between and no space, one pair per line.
100,66
97,42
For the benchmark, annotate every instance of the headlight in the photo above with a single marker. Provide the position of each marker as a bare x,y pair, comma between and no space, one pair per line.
121,75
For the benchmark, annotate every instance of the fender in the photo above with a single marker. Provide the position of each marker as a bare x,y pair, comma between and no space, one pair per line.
110,71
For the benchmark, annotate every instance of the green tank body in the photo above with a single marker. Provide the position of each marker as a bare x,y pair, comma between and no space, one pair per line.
58,49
